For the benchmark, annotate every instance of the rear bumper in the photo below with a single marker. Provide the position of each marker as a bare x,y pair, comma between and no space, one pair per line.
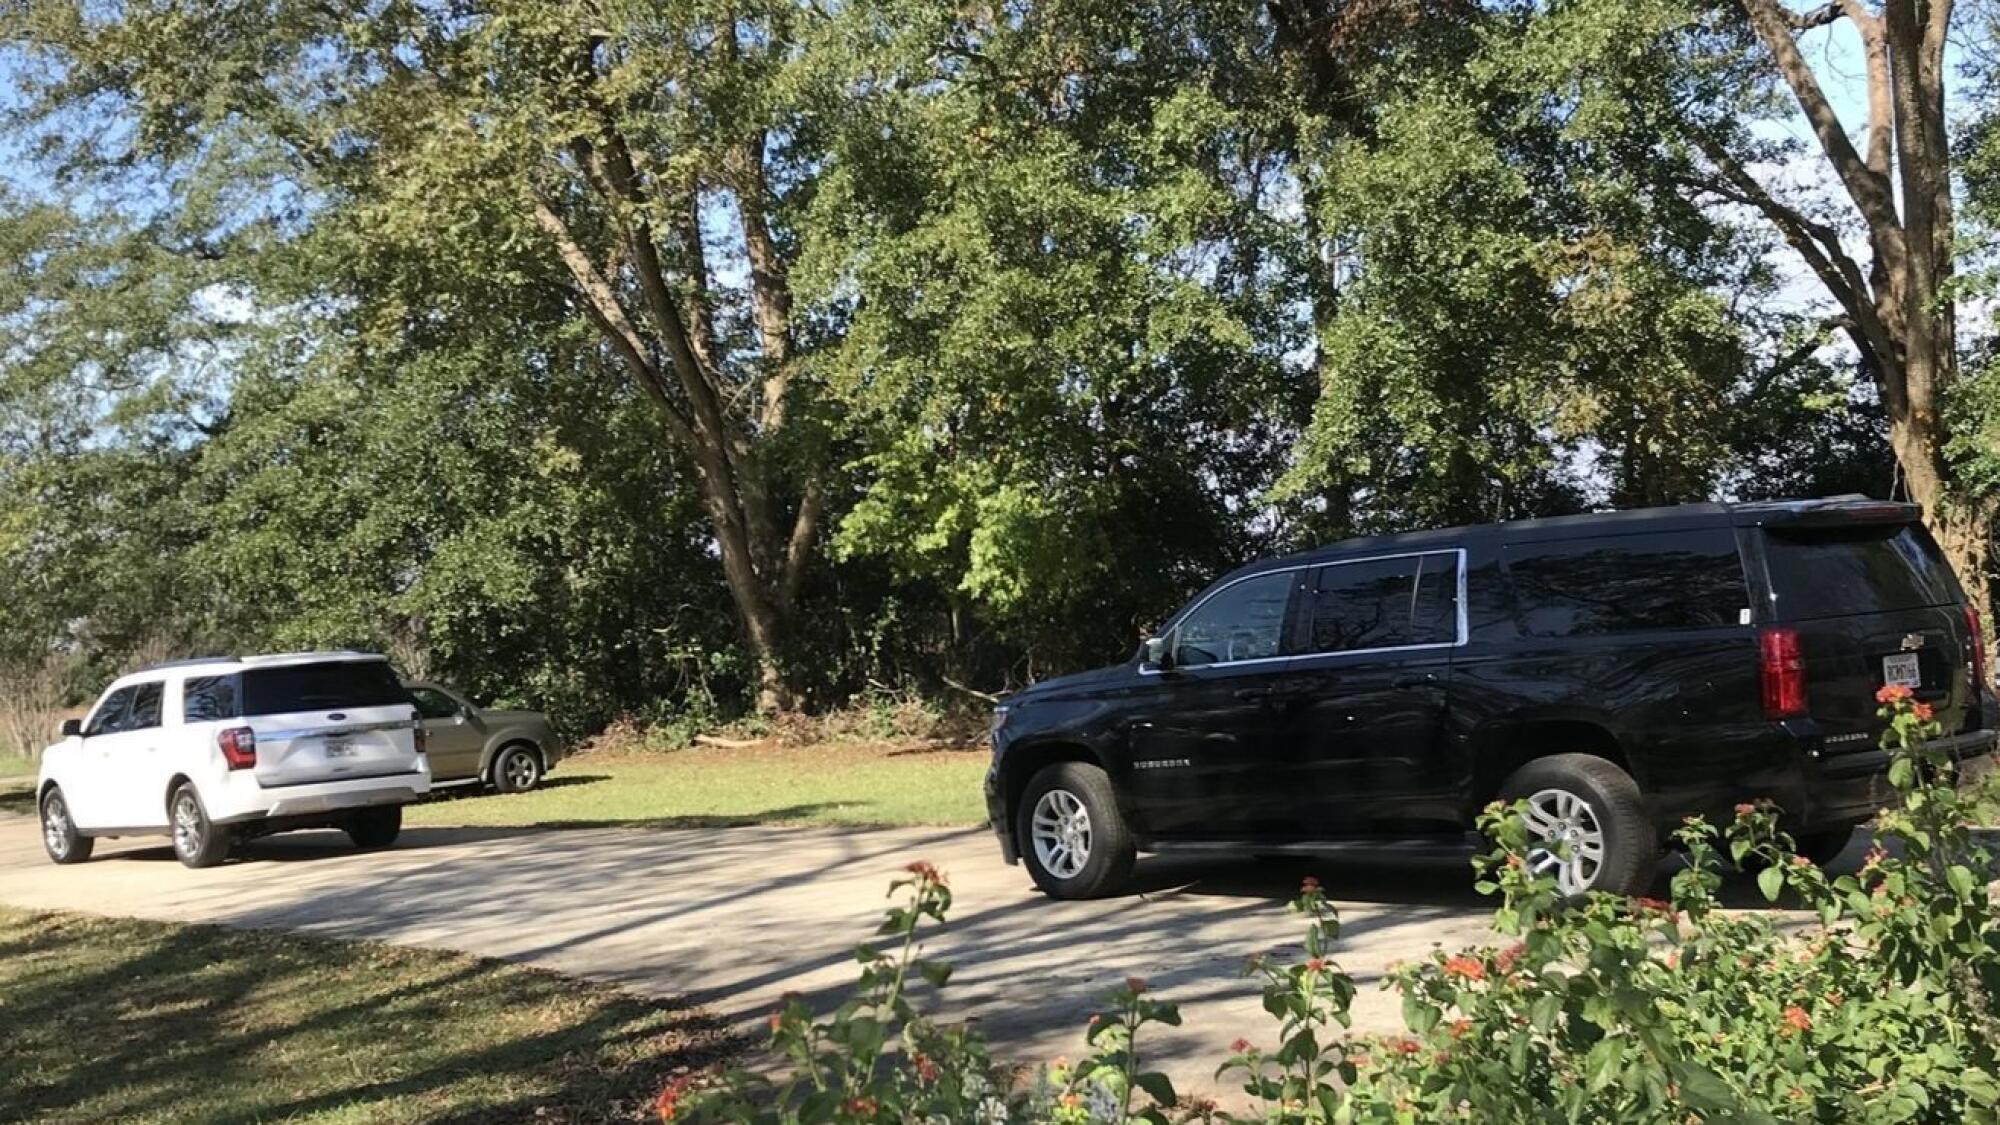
1850,788
307,801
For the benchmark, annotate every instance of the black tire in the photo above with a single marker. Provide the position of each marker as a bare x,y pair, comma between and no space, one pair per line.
59,835
375,828
1107,847
1611,799
198,842
1826,845
517,768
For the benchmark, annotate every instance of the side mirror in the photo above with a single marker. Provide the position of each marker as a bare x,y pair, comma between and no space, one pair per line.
71,728
1159,653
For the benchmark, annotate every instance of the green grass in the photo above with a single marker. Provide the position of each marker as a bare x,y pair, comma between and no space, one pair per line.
17,765
703,786
129,1021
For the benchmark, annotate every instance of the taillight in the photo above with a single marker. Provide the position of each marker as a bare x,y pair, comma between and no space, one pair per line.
1977,640
239,747
423,738
1784,673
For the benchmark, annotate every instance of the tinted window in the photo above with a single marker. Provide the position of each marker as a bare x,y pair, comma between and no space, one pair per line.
1668,580
1245,621
1385,603
205,698
434,704
1859,570
111,715
318,687
145,713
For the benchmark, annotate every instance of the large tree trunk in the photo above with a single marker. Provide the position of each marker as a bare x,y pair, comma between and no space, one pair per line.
1898,313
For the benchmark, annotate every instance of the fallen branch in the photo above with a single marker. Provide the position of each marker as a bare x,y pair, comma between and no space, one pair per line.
988,696
726,743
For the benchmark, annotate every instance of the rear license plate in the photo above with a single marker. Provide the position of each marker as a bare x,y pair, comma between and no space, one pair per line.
1902,670
339,748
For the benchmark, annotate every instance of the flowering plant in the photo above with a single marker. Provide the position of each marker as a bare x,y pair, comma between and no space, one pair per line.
1880,1008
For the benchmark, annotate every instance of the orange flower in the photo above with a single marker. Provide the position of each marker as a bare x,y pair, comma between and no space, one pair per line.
1407,1046
1460,1027
1316,964
1653,906
1892,693
1136,984
862,1107
1798,1019
1462,965
1746,809
667,1105
1510,956
925,871
1922,711
927,1067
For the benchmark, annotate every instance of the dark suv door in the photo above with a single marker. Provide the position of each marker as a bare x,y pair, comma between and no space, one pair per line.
1206,744
1363,704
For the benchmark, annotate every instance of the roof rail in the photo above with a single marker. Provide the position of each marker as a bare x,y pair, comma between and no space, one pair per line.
185,663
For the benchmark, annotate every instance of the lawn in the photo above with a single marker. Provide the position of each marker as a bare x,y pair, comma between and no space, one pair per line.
17,765
826,783
122,1020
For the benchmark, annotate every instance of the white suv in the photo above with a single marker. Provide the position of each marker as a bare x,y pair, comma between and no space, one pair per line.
213,751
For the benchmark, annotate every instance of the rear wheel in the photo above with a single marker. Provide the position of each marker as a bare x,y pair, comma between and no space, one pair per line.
59,835
1588,823
517,769
375,828
1073,839
1825,846
197,841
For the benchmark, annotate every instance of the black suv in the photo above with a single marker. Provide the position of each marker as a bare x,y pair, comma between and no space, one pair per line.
1619,671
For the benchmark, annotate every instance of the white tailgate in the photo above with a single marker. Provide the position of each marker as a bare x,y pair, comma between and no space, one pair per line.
309,746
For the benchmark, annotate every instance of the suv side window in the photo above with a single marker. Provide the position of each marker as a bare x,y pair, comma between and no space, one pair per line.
1662,580
110,715
145,713
207,698
1385,603
1245,621
434,704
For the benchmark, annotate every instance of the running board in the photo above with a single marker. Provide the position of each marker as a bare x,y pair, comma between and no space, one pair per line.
1446,846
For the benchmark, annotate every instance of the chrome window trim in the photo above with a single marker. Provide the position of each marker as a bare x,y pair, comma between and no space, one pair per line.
1463,620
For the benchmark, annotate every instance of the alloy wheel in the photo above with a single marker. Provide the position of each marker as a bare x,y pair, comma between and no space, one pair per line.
1061,833
520,769
55,825
187,823
1569,839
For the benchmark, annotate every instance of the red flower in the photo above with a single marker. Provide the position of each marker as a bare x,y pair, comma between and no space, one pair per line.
1798,1019
927,1067
925,871
667,1105
1461,965
1135,984
1510,956
1922,711
1309,886
1316,964
1653,906
1459,1028
1406,1046
1801,861
1359,1060
1892,693
1241,1046
1746,809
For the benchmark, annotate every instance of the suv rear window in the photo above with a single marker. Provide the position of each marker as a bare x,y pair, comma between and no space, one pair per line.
1660,580
316,687
1828,572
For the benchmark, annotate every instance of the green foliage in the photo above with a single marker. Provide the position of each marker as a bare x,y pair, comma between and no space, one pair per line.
1601,1009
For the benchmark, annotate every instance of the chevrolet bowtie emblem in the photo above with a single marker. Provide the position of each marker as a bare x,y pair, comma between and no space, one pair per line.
1912,641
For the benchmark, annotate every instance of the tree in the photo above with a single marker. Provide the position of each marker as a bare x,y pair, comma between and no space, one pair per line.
1900,312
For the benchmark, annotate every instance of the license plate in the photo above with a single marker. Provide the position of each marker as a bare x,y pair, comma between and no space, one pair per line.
1902,670
340,748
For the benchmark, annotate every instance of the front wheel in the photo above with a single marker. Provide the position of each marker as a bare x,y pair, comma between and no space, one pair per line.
1588,824
198,842
375,828
517,770
59,835
1073,838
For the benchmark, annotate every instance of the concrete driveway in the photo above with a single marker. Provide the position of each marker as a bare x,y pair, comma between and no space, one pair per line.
734,918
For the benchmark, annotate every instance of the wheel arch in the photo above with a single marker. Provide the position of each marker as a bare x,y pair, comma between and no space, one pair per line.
179,779
1023,762
1505,747
506,742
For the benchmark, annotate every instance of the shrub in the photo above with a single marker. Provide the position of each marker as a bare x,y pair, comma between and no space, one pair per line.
1600,1009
